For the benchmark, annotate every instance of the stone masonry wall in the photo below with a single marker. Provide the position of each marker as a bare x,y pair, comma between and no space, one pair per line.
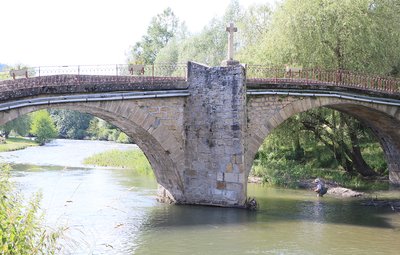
215,126
70,84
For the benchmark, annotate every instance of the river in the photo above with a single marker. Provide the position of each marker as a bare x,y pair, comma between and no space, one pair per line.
114,211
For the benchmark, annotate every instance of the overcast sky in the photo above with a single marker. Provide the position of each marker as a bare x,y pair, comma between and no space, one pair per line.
68,32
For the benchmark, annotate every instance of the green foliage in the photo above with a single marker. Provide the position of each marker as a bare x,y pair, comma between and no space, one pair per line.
285,159
43,126
101,130
132,159
358,35
71,124
374,156
208,47
123,138
13,144
20,125
162,28
21,230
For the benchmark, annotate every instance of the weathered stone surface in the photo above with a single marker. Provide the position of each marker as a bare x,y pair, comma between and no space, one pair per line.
215,127
69,84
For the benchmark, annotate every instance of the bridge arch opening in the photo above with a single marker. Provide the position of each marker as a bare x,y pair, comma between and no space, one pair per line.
378,121
139,127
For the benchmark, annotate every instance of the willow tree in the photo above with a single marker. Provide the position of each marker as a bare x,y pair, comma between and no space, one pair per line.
362,35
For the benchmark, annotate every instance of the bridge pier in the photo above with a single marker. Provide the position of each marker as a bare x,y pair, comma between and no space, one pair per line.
215,125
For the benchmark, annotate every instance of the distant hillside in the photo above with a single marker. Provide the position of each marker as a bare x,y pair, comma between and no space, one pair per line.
2,67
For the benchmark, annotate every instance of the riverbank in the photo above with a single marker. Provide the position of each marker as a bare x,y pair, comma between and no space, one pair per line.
16,143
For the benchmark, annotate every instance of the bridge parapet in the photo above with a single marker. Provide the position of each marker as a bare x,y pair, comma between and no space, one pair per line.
156,70
258,75
72,84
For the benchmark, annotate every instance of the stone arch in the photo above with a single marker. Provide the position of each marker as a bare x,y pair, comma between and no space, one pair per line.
162,147
266,113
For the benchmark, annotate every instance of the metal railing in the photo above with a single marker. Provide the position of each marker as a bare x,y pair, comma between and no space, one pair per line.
156,70
257,74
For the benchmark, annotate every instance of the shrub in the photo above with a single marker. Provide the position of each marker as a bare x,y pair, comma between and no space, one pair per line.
43,127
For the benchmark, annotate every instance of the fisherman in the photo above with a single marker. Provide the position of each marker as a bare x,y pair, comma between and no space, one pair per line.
320,189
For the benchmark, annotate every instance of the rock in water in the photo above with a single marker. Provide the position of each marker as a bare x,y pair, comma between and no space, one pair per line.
343,192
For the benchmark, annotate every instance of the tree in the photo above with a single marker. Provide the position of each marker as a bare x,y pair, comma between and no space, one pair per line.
208,47
20,125
341,134
71,124
162,28
360,35
43,126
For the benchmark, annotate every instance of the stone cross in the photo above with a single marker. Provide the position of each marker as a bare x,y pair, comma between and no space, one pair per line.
231,29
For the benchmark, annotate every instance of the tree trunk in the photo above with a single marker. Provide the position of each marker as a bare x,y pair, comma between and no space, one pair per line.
360,165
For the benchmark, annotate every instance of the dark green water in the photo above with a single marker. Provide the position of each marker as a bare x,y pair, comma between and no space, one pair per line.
115,212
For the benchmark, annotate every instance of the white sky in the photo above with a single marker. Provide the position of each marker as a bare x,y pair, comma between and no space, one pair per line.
68,32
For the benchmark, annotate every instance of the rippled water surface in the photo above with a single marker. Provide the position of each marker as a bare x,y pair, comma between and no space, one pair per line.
113,211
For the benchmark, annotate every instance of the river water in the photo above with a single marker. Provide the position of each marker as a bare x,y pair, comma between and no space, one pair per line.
114,211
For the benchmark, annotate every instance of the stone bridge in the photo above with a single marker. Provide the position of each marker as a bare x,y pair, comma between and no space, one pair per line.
201,132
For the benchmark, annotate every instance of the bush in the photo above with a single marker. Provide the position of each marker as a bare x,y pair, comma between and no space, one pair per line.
43,127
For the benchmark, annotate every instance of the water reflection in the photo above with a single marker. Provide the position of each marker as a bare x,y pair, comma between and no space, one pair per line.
103,209
115,212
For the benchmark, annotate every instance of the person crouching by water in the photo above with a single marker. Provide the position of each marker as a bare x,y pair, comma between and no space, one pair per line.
320,189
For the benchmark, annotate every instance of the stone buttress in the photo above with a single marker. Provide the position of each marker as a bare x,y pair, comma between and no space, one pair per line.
215,123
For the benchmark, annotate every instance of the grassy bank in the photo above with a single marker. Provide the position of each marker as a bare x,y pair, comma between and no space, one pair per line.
16,143
132,159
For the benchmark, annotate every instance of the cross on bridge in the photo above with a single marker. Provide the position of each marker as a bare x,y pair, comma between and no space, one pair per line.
229,61
231,29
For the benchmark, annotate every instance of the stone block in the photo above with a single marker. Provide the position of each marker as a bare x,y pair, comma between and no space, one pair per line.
242,177
231,177
229,168
230,195
220,176
221,185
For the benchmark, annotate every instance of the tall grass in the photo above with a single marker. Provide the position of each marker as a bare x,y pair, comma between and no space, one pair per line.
21,229
132,159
